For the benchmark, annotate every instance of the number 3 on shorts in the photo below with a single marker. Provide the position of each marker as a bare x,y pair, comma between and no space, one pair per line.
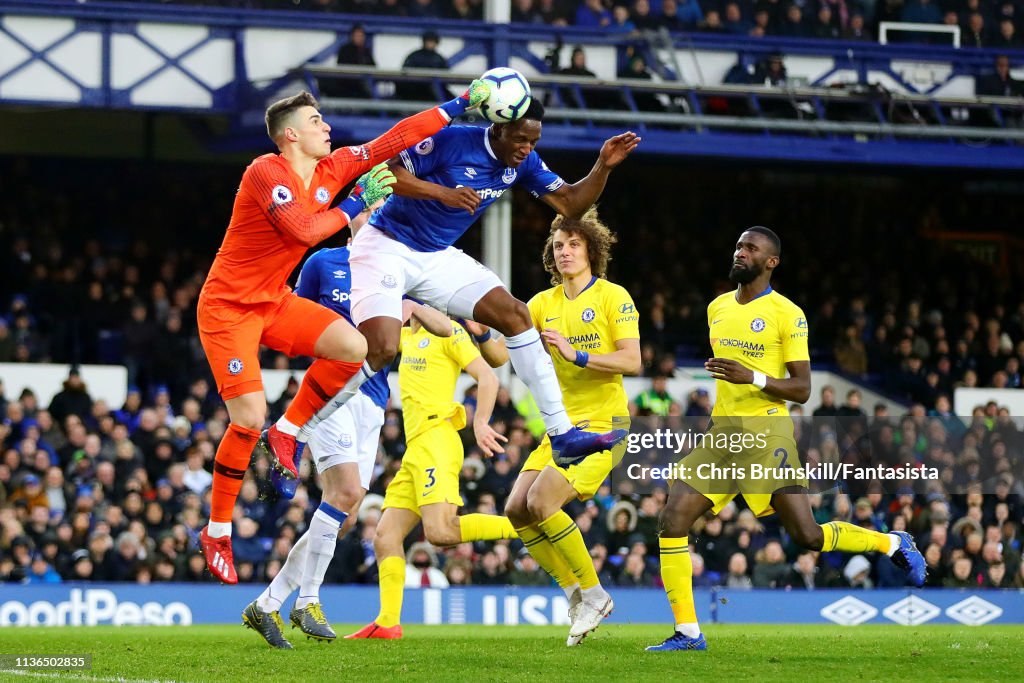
431,480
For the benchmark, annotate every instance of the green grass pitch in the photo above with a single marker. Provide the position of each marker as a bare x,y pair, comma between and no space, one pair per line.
530,653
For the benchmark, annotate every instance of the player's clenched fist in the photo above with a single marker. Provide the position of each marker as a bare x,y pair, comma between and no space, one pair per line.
479,91
375,184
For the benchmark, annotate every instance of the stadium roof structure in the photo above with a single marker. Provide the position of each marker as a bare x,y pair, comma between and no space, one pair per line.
841,102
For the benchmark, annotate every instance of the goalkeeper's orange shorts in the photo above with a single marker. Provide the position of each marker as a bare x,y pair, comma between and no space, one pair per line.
231,335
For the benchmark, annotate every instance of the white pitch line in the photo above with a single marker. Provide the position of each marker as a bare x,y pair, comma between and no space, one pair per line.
78,677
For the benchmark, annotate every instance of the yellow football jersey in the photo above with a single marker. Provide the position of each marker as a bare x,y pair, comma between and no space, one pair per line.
601,315
427,374
764,335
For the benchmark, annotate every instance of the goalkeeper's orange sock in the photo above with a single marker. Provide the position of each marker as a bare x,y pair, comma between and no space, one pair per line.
850,538
229,466
677,575
323,380
392,587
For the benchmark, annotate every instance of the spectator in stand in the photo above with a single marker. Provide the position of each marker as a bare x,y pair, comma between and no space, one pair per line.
426,57
851,353
421,570
656,400
523,12
465,10
552,12
527,572
733,20
1007,38
793,26
921,12
827,407
73,399
712,22
621,23
355,52
642,17
771,570
592,14
681,15
737,576
974,33
636,69
825,26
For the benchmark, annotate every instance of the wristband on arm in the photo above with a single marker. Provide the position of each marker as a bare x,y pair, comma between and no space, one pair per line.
760,380
582,358
352,206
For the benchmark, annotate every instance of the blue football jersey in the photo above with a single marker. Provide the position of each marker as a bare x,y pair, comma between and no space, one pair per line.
457,156
327,279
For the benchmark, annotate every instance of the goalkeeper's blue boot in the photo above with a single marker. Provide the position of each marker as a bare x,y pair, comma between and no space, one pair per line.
677,641
908,558
575,445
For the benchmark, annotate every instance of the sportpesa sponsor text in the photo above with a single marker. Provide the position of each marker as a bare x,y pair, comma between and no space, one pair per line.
91,607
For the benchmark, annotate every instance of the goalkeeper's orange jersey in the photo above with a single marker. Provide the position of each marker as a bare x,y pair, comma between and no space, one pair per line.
276,218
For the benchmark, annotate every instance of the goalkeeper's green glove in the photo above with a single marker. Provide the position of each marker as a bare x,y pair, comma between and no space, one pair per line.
372,186
478,92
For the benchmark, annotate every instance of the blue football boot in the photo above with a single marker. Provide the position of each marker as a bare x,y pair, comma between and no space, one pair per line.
575,445
677,641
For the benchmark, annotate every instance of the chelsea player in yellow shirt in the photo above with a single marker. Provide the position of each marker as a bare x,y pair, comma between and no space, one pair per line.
758,336
427,484
592,331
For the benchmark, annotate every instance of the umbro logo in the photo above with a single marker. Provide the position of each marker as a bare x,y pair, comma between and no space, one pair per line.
471,173
339,275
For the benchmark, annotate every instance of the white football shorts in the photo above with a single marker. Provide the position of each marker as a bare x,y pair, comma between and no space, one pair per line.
350,434
384,269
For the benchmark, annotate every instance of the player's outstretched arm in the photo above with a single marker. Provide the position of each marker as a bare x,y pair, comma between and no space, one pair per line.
624,360
414,129
408,185
492,348
269,186
795,388
573,200
487,439
433,320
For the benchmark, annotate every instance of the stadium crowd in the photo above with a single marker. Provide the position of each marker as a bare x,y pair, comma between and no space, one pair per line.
994,23
90,491
93,493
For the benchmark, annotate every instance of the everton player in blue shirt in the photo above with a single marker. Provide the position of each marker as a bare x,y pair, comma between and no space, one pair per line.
443,183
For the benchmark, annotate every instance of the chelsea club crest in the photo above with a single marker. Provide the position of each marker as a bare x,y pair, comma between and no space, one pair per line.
757,324
322,195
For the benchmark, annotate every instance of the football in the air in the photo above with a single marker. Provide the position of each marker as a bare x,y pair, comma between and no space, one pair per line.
510,95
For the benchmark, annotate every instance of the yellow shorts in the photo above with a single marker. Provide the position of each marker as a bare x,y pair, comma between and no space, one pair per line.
761,458
430,471
586,477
